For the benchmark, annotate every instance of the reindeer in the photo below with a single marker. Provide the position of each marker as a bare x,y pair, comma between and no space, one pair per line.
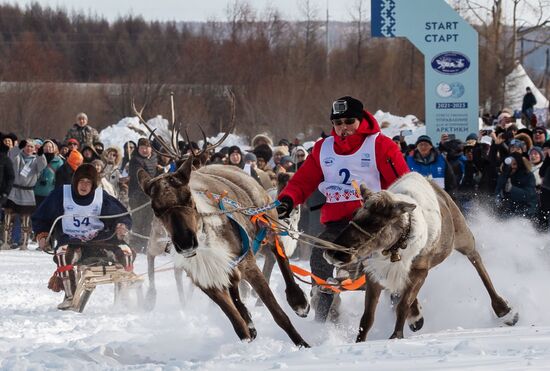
398,236
210,243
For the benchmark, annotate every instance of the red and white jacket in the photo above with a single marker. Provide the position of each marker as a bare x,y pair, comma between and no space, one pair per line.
389,161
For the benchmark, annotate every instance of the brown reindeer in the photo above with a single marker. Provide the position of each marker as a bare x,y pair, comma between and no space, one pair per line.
398,236
210,244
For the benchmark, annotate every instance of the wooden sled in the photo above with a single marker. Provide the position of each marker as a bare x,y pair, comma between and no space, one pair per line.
89,276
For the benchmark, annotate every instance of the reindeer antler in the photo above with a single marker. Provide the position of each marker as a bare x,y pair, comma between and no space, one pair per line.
171,152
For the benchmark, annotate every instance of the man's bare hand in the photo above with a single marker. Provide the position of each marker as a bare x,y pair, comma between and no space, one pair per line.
121,231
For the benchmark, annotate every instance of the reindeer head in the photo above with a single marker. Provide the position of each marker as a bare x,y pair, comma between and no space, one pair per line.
170,193
173,204
376,226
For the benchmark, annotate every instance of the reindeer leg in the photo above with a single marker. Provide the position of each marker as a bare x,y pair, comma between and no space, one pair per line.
254,276
295,297
222,298
245,314
178,276
500,307
415,319
267,269
151,295
417,277
372,294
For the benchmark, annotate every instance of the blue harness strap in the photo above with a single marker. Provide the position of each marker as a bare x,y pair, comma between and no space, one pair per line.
251,211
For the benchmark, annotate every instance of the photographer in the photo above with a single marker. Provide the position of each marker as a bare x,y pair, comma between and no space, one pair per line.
515,191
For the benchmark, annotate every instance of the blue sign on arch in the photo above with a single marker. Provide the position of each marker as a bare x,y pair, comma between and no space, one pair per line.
450,48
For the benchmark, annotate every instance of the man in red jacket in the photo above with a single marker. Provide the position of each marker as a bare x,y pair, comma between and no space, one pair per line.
356,150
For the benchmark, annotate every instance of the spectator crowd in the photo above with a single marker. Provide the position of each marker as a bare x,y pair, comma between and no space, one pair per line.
502,167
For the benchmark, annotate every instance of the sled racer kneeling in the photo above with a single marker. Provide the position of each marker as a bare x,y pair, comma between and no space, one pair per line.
81,233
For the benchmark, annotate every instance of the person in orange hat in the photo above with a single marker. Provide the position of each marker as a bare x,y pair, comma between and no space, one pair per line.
64,174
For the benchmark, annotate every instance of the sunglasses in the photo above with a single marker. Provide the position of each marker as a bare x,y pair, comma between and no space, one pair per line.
72,144
339,122
539,132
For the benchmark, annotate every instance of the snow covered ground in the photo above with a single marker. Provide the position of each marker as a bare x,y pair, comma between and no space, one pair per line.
460,330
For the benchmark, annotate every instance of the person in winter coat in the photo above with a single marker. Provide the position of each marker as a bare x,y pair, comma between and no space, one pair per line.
112,158
128,151
7,175
515,191
535,157
89,154
46,182
103,182
528,104
84,202
81,131
432,164
544,172
539,136
27,168
64,175
336,161
143,158
298,156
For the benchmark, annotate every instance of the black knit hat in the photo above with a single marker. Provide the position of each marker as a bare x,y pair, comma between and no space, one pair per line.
235,149
346,107
424,138
87,171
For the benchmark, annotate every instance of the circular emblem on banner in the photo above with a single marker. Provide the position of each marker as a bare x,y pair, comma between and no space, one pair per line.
450,90
450,63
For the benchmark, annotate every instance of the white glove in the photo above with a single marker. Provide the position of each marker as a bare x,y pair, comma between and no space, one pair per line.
508,186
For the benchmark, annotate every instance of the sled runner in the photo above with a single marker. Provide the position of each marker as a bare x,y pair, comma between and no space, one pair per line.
101,271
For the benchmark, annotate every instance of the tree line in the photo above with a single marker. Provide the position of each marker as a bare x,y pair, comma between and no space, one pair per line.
54,64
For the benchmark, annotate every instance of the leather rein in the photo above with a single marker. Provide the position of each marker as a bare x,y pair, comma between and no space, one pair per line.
393,249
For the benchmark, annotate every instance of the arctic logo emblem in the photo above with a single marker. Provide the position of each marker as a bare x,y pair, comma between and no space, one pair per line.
450,63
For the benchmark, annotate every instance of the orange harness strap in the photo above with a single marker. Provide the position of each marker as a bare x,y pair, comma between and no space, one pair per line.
346,285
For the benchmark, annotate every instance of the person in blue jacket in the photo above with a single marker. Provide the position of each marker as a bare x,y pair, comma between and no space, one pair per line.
82,233
427,161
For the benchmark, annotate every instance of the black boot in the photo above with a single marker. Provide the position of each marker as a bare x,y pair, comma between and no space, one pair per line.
323,306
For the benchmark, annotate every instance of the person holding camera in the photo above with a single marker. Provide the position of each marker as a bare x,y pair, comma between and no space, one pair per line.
515,192
27,167
357,151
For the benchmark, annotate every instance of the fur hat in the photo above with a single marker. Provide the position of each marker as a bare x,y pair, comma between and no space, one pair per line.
118,157
258,139
86,171
282,150
74,159
263,151
346,107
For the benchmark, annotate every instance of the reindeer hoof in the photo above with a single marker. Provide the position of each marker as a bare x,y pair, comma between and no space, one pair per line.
510,318
397,335
253,333
417,325
298,301
303,344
